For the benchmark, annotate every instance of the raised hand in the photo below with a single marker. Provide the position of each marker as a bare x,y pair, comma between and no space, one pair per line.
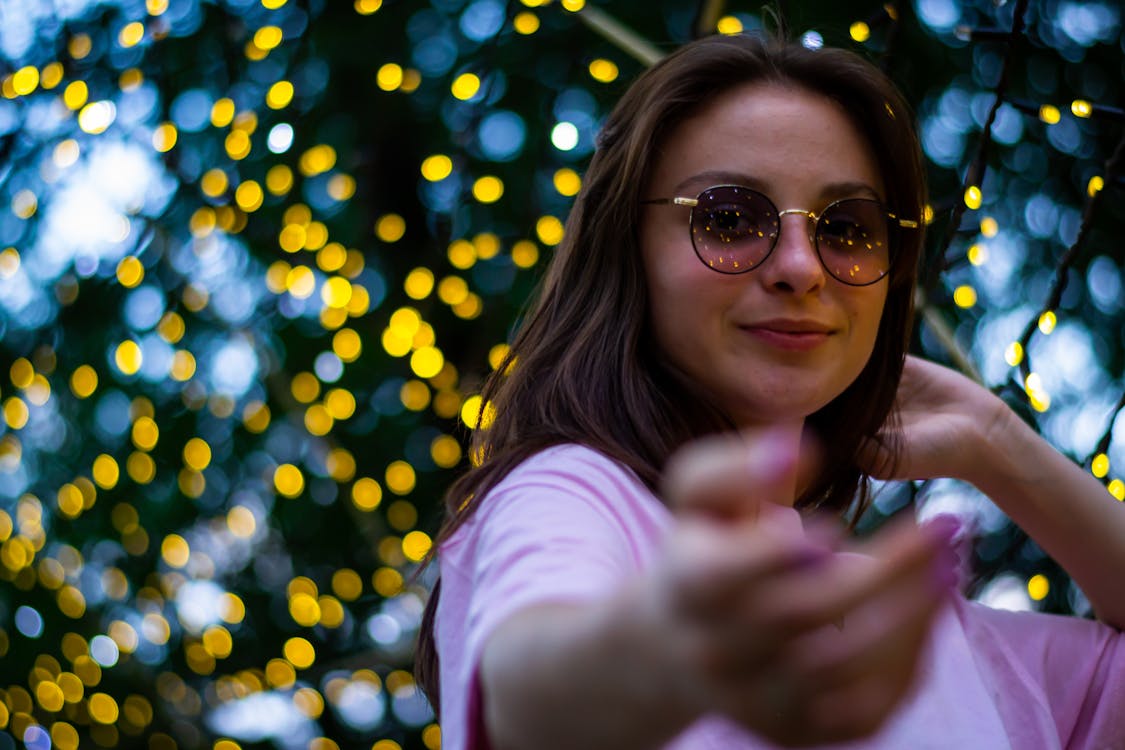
756,604
943,419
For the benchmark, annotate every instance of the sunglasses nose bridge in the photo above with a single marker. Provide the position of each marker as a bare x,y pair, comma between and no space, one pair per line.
811,216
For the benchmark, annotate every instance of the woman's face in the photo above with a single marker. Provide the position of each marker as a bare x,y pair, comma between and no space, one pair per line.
779,342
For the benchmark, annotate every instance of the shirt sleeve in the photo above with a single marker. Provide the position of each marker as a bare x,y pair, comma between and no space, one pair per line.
568,525
1066,670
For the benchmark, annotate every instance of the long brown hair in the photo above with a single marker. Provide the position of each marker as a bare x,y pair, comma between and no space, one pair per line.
582,367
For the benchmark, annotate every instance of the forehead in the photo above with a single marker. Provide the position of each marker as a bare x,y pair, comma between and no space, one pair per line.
785,139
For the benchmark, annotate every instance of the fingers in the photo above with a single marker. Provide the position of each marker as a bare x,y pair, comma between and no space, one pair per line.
729,477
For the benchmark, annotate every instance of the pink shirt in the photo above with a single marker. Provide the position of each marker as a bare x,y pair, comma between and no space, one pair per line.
570,524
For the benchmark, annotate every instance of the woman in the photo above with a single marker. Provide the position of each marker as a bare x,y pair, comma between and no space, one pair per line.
742,257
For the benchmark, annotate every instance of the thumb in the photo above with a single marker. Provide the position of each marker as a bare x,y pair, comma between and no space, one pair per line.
731,476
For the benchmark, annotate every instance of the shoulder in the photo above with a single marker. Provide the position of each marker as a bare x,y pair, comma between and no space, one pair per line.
568,494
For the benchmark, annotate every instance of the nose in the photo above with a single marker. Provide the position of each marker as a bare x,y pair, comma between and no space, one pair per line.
794,266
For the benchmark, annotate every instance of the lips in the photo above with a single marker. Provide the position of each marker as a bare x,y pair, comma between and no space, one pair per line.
790,334
787,325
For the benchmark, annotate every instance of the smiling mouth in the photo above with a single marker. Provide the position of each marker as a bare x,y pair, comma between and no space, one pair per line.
790,335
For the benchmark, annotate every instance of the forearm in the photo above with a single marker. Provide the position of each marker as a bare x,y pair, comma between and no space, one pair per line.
1062,507
590,676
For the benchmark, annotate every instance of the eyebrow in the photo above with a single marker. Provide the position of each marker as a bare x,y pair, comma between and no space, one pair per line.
829,192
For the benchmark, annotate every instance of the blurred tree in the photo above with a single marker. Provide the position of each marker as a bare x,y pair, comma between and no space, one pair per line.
257,255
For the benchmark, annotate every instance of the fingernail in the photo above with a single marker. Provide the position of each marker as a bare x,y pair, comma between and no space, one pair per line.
945,527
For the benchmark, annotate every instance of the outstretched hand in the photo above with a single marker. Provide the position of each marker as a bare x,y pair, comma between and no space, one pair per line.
772,626
941,418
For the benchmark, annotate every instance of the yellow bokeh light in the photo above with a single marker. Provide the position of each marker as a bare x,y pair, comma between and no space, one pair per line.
1095,185
400,477
25,80
1081,108
465,86
301,281
573,5
305,387
487,245
130,271
389,77
1117,489
729,25
415,395
304,610
1047,322
288,480
347,345
567,182
366,493
256,417
145,433
96,117
105,471
279,179
336,292
973,198
222,112
75,94
175,550
317,160
164,137
279,95
978,254
340,403
103,708
341,187
51,75
197,454
390,228
462,254
525,23
21,373
859,31
367,7
299,652
525,254
241,522
437,167
989,227
427,362
249,196
317,420
445,451
603,71
471,413
131,34
83,381
1049,114
488,189
141,467
1038,587
237,145
965,296
419,283
127,357
214,182
1099,467
549,230
416,545
267,37
1013,355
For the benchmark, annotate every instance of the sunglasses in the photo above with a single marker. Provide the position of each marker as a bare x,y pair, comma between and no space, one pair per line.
734,229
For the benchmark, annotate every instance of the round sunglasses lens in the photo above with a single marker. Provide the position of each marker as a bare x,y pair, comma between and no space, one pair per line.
852,237
733,229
